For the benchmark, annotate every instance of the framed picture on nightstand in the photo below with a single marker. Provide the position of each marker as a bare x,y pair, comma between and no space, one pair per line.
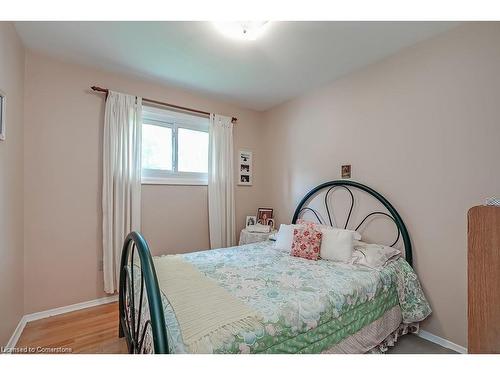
263,215
270,223
251,220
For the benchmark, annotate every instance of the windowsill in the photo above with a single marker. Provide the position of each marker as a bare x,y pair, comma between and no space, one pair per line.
173,181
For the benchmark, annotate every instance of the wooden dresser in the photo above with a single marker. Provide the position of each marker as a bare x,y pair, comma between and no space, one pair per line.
484,279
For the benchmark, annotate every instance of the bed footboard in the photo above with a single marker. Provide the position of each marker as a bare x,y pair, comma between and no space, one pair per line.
141,318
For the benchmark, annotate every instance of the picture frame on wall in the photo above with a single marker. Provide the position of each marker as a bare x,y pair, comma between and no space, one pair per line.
245,168
345,171
3,105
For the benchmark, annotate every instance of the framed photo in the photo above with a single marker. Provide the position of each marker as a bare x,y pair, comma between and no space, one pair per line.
263,215
345,171
270,222
2,115
251,220
245,168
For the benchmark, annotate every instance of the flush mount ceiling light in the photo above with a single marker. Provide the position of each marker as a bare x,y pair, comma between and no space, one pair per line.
243,30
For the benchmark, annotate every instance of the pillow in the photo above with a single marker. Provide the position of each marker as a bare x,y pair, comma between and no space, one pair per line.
284,237
356,235
337,245
308,223
373,255
306,243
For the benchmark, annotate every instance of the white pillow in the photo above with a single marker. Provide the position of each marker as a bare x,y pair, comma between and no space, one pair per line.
337,244
356,235
284,238
373,255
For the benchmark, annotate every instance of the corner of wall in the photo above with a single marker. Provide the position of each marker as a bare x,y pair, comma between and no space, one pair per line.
12,60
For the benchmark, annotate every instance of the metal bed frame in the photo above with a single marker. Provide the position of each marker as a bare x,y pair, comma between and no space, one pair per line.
135,327
130,317
348,185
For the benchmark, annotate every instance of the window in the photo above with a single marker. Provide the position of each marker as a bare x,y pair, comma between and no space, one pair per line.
174,147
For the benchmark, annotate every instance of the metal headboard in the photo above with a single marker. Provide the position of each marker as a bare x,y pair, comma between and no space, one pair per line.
393,214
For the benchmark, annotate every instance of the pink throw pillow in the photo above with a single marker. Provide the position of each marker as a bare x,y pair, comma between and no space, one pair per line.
306,243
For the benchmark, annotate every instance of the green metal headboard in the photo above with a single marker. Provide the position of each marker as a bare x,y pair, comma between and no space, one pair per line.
346,184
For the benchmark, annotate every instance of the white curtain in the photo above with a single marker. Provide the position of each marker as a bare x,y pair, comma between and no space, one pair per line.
121,186
221,208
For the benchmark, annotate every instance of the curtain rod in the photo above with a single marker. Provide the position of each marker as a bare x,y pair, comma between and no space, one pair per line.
100,89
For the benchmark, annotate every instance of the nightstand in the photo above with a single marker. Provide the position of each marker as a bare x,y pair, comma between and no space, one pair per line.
247,237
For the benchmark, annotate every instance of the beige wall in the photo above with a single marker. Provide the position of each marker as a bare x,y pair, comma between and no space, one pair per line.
64,121
11,183
423,128
180,223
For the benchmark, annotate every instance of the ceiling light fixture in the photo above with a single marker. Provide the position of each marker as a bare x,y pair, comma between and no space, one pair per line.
243,30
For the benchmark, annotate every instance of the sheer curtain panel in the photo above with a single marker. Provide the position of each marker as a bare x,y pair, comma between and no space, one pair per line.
121,183
221,207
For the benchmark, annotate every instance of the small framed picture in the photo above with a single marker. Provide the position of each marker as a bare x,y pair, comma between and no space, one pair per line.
345,171
251,220
245,168
3,104
263,215
270,222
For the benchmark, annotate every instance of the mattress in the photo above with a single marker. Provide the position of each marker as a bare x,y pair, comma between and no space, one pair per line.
304,306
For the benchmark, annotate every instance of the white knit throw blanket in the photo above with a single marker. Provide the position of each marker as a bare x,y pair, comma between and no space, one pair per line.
207,314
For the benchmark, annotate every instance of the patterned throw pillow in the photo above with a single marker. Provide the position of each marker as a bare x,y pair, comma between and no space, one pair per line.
307,223
306,243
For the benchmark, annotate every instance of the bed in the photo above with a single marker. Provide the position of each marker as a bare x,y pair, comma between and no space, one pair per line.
259,299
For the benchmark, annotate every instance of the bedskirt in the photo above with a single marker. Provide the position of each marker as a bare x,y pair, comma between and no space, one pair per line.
376,337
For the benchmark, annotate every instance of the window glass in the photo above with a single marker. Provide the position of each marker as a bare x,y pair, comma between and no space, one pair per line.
156,147
192,151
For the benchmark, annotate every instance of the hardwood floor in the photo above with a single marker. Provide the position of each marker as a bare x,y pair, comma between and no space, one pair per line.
92,330
95,330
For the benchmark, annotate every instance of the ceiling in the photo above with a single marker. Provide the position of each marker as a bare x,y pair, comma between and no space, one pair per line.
289,59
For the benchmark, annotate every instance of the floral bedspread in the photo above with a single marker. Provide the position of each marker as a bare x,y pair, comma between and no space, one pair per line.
296,297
